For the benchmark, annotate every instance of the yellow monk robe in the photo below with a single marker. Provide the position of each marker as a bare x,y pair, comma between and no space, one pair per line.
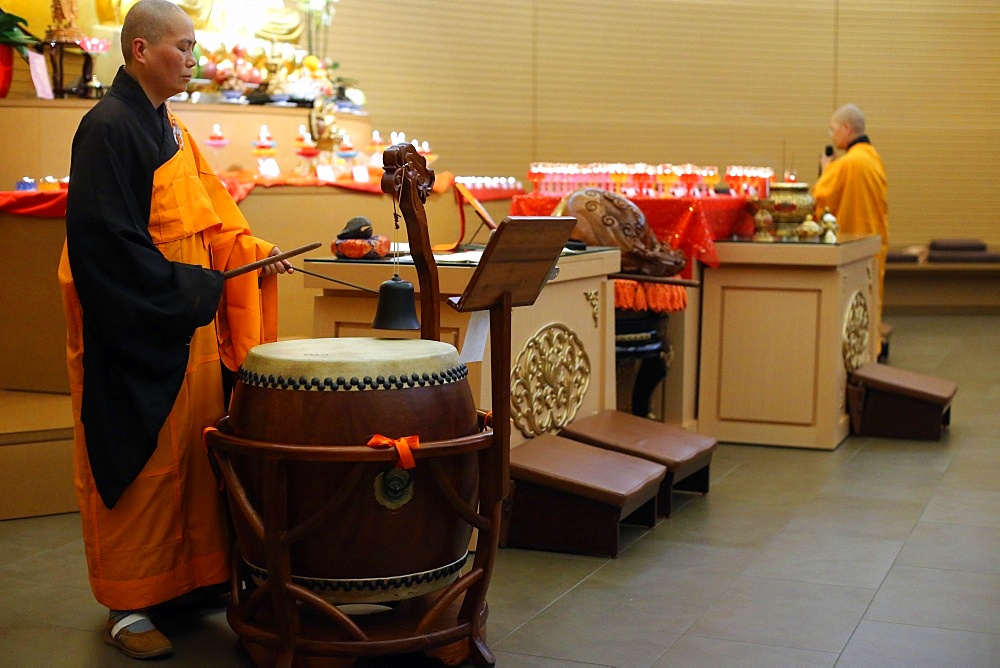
166,534
854,187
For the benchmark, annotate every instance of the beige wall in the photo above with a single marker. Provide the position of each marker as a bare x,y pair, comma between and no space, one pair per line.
495,85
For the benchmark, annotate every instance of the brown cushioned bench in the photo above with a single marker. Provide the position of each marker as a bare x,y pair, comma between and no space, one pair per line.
687,456
897,403
568,496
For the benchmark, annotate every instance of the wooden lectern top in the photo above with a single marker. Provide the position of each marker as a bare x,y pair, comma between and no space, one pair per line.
517,260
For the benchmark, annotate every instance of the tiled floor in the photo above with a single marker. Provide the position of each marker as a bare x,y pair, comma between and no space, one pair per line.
880,553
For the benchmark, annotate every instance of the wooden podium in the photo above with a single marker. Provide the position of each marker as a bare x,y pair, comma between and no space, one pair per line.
783,325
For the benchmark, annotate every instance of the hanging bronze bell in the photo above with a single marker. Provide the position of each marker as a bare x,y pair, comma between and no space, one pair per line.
397,306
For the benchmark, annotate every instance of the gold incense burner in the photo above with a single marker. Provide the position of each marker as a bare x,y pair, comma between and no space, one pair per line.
788,203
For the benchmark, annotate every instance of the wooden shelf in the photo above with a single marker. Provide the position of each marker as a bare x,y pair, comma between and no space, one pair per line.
942,288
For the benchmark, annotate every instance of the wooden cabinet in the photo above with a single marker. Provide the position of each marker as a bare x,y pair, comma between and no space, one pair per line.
782,325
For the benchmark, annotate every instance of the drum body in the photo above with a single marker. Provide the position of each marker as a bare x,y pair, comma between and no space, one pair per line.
328,393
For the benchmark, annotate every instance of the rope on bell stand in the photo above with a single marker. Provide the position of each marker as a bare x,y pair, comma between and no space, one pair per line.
396,192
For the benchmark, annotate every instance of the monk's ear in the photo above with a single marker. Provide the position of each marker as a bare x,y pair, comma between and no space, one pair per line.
140,47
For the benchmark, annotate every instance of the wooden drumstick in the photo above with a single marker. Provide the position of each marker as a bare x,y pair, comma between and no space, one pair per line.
336,280
271,260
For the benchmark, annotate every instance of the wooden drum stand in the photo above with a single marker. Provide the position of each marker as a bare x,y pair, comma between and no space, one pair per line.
280,621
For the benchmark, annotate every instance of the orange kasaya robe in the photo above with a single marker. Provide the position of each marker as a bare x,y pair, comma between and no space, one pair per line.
164,533
854,187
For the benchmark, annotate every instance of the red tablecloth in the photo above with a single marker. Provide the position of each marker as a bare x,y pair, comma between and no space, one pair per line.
239,184
680,223
727,216
34,203
52,203
688,223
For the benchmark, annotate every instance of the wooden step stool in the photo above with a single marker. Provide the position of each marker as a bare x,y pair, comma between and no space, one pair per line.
571,497
896,403
687,456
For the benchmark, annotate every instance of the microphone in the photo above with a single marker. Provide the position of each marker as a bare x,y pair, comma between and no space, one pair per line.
828,151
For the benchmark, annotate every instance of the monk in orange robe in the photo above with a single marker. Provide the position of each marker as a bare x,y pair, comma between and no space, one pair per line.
152,324
854,187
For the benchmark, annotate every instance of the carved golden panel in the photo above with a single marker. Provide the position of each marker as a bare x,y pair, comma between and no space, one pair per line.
855,337
548,381
593,298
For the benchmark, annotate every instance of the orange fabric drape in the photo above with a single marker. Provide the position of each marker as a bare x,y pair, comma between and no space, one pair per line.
642,296
166,534
137,554
855,188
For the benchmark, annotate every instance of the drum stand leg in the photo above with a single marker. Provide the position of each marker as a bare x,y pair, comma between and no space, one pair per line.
280,623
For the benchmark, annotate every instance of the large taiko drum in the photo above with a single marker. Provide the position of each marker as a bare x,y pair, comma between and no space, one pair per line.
395,534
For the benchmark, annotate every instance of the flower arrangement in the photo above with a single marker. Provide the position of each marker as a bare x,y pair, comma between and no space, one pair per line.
284,74
319,15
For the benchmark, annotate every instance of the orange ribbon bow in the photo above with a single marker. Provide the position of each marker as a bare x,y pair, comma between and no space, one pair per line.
404,447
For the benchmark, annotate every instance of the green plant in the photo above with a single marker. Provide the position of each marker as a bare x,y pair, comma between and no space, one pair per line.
13,34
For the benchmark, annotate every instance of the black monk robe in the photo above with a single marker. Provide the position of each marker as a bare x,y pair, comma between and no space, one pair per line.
139,309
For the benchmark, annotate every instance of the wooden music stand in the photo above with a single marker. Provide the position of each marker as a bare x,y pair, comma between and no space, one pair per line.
512,271
517,261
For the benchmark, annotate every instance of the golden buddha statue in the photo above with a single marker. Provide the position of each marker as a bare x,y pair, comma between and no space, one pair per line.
63,28
112,12
282,25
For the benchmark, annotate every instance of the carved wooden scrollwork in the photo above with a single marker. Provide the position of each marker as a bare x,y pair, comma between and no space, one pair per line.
857,320
548,381
593,298
404,159
409,181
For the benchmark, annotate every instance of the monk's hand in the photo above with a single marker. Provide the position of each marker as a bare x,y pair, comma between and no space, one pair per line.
282,267
825,160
